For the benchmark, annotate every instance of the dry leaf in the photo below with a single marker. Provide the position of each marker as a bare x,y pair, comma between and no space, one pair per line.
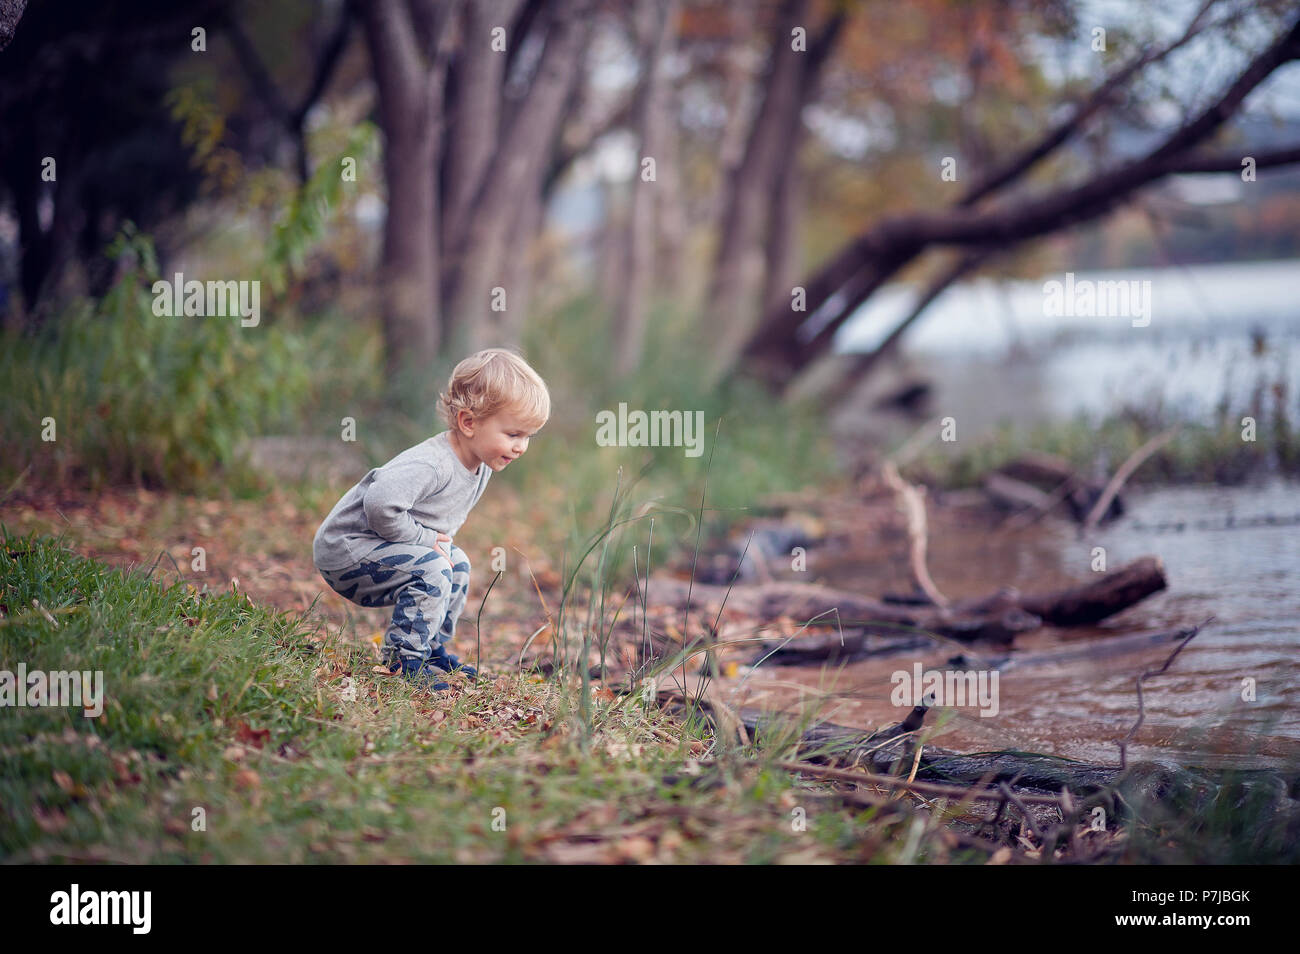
65,782
250,736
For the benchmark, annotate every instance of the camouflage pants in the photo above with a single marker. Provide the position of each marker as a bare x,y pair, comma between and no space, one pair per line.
426,590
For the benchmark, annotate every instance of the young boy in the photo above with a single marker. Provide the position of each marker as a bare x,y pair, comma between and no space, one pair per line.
388,541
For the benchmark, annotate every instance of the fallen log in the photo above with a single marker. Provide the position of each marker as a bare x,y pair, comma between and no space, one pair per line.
854,645
1095,601
891,751
1076,651
997,618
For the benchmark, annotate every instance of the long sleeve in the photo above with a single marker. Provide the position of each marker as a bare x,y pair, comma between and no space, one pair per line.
388,502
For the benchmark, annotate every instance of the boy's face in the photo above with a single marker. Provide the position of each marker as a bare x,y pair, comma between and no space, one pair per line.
495,440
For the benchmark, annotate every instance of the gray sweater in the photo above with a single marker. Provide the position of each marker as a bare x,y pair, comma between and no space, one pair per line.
423,490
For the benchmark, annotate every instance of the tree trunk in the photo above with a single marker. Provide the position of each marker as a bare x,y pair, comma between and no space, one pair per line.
520,265
473,114
410,114
781,270
657,24
516,168
737,271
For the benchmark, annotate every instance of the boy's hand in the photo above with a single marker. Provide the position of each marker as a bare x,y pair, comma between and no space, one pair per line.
442,536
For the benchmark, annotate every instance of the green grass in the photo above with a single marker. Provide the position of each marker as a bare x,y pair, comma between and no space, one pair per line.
1205,452
193,683
215,704
111,393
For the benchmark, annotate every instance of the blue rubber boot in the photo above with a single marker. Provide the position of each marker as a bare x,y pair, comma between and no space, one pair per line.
425,675
448,663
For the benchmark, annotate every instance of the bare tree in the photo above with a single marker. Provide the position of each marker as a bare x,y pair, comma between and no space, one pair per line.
516,169
777,351
292,118
656,24
409,46
737,277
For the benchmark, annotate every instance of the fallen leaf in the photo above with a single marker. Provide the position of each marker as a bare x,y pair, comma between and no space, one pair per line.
250,736
65,782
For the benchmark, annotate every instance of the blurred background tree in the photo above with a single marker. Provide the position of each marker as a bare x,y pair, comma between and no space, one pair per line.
765,166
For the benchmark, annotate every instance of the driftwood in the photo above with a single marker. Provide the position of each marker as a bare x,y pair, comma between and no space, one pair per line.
891,751
912,502
996,618
1095,601
1125,471
854,645
1034,484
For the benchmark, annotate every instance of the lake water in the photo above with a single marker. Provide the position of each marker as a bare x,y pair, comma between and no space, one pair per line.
992,353
1232,553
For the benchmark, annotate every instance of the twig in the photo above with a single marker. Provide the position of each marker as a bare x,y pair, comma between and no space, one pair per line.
1019,803
914,508
1142,713
916,763
1018,521
1125,471
927,788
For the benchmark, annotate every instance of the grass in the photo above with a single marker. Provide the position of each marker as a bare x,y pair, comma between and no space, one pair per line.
294,750
215,704
229,734
1200,452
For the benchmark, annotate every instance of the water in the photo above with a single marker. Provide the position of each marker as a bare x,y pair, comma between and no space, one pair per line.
1226,562
1216,332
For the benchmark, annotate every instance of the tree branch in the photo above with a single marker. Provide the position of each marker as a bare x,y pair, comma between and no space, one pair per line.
896,240
1018,165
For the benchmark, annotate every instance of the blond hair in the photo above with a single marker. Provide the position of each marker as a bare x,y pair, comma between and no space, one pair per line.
495,380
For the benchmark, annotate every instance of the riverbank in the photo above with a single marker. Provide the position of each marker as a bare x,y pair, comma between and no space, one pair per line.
306,754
